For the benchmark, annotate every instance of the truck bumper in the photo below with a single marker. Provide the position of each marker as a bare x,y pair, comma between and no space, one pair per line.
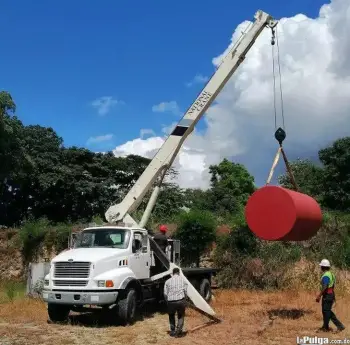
80,298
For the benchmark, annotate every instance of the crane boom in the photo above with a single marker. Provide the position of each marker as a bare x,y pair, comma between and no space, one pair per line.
170,148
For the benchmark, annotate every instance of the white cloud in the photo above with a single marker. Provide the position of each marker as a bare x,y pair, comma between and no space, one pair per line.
240,125
167,107
99,139
143,147
105,104
198,79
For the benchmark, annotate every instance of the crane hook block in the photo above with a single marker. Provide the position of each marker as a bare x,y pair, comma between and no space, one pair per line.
280,135
274,213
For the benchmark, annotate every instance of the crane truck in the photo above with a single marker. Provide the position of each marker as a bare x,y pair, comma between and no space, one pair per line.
114,266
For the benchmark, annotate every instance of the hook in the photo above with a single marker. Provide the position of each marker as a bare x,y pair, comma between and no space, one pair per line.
280,135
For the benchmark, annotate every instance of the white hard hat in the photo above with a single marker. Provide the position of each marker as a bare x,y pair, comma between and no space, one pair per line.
325,263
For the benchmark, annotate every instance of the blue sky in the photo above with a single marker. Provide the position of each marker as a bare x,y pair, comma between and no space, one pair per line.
59,57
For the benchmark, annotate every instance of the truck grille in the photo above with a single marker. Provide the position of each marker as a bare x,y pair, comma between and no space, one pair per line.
70,282
75,269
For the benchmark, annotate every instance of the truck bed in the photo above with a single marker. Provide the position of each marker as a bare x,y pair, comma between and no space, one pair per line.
187,271
198,271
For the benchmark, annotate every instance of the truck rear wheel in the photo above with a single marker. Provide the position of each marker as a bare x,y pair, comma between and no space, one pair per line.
205,290
58,313
127,308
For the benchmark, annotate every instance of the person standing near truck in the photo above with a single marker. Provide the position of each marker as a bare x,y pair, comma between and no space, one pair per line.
328,297
161,238
162,241
175,293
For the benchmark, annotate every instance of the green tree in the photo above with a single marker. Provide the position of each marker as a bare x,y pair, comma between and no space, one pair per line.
7,104
336,183
196,230
170,202
12,155
308,176
198,199
231,186
69,184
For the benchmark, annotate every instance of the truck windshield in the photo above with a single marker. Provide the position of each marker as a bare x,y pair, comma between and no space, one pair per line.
108,238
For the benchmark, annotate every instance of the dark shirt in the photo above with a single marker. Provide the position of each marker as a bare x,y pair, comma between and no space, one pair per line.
161,240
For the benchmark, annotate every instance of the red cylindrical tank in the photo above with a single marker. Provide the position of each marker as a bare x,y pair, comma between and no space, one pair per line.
279,214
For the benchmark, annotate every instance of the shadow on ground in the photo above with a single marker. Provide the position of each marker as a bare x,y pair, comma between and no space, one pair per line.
292,314
100,318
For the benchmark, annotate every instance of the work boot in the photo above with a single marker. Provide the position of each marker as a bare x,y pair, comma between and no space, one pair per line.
179,334
323,329
340,329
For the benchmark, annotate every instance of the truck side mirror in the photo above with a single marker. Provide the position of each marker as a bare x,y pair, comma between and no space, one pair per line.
133,246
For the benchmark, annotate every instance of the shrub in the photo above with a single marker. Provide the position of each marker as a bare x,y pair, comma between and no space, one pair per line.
32,235
196,230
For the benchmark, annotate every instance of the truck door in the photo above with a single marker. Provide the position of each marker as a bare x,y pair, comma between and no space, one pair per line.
140,259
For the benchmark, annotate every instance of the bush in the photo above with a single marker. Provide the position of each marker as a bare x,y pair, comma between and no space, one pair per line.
35,235
57,237
196,230
32,235
38,287
332,241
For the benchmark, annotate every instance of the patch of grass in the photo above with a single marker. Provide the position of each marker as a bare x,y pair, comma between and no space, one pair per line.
12,290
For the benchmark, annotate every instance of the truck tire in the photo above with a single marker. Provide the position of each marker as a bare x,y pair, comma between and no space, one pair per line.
127,308
58,313
205,290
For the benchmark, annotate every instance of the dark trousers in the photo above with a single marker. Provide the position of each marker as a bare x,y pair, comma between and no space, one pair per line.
328,315
179,308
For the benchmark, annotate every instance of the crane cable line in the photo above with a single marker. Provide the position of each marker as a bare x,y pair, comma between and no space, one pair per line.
273,40
280,133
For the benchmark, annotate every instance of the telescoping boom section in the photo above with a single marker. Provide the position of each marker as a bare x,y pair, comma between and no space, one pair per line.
170,148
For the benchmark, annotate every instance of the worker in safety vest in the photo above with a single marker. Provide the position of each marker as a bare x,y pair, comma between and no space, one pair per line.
328,297
161,238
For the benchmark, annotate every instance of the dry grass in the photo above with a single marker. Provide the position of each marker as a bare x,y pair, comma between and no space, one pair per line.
247,318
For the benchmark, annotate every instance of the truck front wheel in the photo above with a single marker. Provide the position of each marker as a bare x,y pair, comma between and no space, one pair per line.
127,308
58,313
205,290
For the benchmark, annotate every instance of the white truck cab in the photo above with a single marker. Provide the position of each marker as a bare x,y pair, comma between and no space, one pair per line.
101,261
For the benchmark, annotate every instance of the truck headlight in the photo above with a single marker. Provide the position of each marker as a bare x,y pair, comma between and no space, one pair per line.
101,283
105,283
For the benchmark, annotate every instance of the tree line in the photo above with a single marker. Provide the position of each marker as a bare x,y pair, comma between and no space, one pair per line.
40,177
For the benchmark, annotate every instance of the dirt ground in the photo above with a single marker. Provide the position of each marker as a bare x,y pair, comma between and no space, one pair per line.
247,318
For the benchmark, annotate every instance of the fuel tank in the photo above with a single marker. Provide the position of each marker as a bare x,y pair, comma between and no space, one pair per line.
275,213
